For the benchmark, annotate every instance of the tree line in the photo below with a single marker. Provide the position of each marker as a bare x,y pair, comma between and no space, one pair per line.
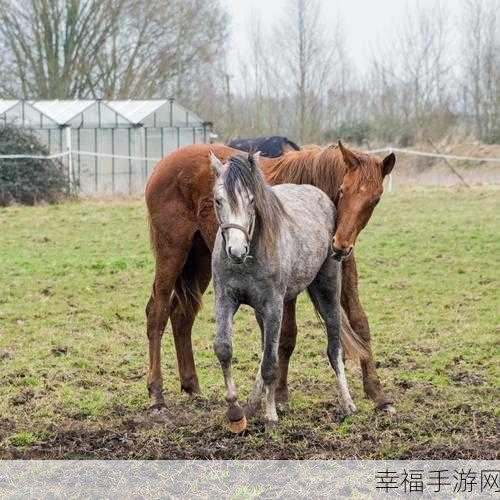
297,80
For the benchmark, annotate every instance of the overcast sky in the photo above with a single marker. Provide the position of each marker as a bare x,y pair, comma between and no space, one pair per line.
365,22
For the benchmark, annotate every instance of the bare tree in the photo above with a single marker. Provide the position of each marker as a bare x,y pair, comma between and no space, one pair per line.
50,46
108,48
481,65
411,75
159,47
305,52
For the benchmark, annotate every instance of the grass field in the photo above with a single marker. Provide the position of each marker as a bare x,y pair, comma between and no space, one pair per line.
74,280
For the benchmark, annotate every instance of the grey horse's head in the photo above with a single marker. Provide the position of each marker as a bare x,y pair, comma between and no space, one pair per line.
243,201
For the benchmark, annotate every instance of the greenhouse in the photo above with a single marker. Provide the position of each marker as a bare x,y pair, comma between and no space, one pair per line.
108,147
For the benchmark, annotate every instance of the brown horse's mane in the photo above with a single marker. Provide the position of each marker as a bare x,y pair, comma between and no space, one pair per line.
323,167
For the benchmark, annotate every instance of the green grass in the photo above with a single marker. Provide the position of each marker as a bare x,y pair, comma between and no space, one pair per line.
74,281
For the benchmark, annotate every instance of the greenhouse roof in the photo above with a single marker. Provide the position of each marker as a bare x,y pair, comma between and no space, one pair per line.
136,111
6,105
61,111
96,113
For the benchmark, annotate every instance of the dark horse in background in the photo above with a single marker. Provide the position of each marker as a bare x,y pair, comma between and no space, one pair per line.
183,227
269,146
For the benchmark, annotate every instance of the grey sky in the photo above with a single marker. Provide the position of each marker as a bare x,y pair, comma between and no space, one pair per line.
365,22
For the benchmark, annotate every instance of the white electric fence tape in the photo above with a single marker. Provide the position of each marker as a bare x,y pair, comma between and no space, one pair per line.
144,158
409,152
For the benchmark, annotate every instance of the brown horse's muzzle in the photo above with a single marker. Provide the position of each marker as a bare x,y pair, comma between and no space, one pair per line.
340,254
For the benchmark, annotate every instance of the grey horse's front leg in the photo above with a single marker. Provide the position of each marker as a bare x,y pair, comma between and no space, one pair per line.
254,400
271,319
224,312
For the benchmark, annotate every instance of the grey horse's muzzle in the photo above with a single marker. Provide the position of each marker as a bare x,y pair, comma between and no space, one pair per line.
237,259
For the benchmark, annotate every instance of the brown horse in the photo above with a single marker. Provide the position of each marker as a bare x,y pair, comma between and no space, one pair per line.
183,229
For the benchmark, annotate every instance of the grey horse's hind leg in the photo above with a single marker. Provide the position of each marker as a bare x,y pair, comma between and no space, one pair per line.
224,312
271,318
325,294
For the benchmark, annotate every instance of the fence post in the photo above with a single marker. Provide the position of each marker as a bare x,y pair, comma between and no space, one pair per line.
96,159
171,101
69,147
390,175
145,154
113,160
130,159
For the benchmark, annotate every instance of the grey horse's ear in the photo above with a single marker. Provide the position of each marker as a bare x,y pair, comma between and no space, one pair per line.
216,164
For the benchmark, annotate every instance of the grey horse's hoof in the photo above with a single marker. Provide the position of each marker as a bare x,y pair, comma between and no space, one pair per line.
349,408
388,408
270,425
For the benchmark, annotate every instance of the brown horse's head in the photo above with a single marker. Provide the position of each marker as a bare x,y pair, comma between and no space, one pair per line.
361,189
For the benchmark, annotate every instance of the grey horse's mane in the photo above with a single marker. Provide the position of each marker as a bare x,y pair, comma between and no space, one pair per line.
243,171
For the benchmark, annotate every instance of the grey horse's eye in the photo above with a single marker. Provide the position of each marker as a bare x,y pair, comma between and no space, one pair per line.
218,202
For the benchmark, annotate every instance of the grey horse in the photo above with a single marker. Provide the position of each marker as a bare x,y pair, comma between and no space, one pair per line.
272,244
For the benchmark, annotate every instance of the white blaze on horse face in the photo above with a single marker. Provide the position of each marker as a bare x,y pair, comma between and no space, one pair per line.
242,214
237,243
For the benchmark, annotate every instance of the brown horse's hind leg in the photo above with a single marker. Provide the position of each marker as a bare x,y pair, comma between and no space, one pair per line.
169,263
359,323
198,271
288,339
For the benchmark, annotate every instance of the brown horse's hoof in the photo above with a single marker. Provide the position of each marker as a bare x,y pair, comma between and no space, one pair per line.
155,391
281,396
157,405
191,386
238,426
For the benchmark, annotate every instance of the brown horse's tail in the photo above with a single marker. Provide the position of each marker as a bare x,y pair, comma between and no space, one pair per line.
187,294
187,287
353,345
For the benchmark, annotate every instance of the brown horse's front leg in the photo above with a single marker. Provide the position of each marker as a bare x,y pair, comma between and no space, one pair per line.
288,337
359,322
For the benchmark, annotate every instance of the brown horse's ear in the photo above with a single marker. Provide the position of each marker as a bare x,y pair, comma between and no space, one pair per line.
349,157
216,164
388,164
